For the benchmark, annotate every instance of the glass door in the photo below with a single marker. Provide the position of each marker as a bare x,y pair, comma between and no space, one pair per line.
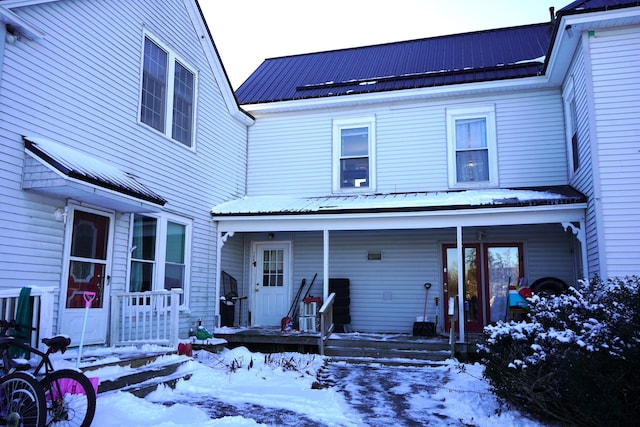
473,295
503,269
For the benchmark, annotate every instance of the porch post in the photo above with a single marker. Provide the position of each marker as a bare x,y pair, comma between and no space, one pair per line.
460,250
325,264
579,232
220,240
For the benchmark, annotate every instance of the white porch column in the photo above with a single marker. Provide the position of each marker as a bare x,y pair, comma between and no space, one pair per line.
220,241
580,234
461,266
325,264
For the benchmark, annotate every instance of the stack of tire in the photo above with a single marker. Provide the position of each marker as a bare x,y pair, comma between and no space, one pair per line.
341,311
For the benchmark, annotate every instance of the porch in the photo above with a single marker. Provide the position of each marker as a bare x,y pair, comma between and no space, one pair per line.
389,348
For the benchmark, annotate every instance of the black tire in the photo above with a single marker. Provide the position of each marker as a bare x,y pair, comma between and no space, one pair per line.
549,286
71,398
22,401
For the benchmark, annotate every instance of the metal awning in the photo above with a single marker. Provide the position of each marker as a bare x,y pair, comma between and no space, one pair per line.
57,170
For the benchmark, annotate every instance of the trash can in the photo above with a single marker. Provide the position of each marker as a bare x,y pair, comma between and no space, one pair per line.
227,312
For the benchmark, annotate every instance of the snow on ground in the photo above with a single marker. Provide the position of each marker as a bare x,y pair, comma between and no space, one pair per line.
251,385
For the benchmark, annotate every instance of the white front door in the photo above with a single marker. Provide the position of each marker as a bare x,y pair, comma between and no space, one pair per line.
272,286
88,272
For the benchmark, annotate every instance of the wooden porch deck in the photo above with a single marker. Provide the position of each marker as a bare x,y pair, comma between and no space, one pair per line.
270,340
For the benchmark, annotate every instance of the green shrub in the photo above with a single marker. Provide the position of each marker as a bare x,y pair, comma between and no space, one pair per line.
576,361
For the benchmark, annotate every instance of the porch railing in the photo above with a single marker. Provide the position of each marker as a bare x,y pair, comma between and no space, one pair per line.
42,299
145,317
326,321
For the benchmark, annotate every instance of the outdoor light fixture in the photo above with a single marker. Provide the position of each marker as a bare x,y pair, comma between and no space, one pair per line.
61,214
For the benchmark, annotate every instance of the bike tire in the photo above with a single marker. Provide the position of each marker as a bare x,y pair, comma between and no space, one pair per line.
22,400
70,398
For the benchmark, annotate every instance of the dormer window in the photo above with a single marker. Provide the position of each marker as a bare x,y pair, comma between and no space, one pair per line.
353,152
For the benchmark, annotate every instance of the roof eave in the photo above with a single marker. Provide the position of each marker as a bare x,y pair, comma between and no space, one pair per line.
410,219
523,83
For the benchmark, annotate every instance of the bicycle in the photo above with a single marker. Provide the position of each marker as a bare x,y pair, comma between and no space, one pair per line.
70,398
22,401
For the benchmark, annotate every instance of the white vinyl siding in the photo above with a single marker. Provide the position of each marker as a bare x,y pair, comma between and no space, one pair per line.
582,179
92,50
410,145
615,65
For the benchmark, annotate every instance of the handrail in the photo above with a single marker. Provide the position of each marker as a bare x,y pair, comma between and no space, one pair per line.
326,321
42,298
145,317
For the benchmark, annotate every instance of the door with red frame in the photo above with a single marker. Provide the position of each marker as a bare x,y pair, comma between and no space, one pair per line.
87,269
472,291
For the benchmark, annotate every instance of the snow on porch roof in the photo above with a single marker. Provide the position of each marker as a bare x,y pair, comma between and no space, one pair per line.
74,164
398,202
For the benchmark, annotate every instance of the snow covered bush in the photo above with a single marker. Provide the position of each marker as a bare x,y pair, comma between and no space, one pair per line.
577,358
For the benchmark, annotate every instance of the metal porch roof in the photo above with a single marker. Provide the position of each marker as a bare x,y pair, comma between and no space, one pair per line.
82,175
398,202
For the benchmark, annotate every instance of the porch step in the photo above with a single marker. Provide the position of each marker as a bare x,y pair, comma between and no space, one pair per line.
139,375
395,350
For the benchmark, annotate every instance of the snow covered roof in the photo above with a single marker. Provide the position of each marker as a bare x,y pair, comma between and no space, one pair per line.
397,202
76,165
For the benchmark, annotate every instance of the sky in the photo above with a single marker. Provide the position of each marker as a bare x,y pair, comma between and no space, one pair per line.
248,32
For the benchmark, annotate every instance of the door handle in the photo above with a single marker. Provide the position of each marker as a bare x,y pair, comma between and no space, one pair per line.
257,287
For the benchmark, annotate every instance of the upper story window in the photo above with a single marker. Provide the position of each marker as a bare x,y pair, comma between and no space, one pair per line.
472,147
168,93
571,120
159,254
353,141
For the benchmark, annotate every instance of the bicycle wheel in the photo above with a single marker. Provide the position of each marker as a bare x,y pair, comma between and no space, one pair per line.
22,401
70,398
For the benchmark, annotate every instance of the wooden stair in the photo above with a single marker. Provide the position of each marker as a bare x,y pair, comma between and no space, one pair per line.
403,350
141,374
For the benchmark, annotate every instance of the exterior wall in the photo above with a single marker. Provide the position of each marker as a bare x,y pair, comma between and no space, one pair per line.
387,295
615,64
583,178
411,145
80,86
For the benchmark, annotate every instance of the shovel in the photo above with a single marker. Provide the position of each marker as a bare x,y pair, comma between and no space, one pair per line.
422,328
88,299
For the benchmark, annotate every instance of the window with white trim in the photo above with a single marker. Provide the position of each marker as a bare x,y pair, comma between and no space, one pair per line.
471,134
159,254
167,101
353,151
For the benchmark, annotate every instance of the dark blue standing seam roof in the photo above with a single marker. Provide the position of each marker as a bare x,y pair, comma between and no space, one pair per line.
504,53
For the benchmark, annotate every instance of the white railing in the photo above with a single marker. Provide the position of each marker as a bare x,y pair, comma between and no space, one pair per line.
145,317
42,300
326,321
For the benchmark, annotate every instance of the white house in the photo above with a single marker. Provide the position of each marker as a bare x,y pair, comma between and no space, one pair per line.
514,152
119,131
